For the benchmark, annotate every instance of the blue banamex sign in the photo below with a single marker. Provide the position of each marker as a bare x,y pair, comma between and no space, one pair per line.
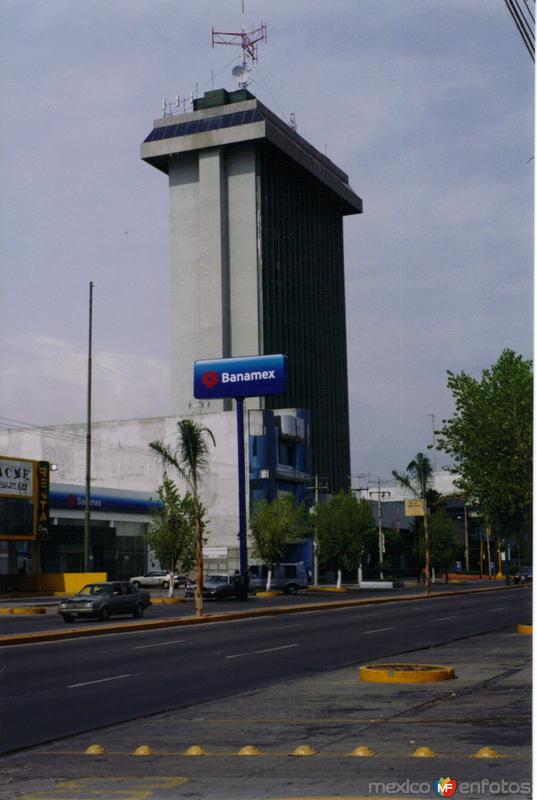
251,376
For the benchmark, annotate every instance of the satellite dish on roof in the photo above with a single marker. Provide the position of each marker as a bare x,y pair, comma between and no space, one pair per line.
240,73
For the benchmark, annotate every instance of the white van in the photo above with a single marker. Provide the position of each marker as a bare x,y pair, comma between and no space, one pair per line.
288,578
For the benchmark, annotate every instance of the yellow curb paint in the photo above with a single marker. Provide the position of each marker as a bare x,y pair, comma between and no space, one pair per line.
423,752
528,629
329,589
487,752
195,750
305,750
94,750
144,750
249,750
268,594
363,751
24,610
405,673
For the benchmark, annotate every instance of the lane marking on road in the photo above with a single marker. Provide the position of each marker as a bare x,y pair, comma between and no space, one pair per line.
499,608
286,627
158,644
268,650
379,630
101,680
441,619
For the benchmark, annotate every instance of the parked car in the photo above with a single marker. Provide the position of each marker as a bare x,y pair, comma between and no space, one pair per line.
157,579
102,600
289,578
215,587
524,575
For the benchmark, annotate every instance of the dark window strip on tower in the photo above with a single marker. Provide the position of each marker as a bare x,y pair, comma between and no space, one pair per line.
304,305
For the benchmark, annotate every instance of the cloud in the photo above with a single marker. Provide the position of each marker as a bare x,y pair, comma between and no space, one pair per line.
45,383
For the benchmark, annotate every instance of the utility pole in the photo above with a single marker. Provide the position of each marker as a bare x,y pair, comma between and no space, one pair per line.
359,490
319,484
87,513
380,495
434,440
489,531
466,543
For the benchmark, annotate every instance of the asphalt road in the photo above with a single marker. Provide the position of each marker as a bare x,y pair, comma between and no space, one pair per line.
22,623
53,690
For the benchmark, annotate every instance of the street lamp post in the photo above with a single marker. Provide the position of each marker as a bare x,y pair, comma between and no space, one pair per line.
380,496
319,484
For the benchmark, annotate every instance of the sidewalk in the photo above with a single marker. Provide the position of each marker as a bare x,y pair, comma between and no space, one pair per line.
333,713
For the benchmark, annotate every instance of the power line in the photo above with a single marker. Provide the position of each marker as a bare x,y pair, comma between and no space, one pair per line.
18,426
524,26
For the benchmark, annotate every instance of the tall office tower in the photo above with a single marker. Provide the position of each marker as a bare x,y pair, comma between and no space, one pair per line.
256,241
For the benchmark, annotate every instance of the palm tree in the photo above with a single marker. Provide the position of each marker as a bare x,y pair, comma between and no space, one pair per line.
190,460
418,479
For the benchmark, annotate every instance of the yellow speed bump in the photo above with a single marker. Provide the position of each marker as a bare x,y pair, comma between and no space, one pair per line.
405,673
249,750
304,750
487,752
363,751
94,750
423,752
525,629
195,750
144,750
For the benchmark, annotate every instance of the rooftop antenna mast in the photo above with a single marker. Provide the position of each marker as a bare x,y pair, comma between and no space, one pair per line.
247,40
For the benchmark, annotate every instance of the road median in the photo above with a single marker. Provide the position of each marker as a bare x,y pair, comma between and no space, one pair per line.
228,616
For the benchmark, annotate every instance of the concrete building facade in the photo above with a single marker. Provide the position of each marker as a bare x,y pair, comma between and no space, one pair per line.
256,242
126,475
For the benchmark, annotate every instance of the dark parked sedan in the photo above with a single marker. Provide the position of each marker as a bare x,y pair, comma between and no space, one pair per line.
215,587
102,600
524,575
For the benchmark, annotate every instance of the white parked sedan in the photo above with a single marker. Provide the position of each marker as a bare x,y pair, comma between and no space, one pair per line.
155,579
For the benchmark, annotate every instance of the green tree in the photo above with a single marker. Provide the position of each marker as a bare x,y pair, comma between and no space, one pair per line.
190,458
341,526
490,440
418,480
445,544
273,525
172,528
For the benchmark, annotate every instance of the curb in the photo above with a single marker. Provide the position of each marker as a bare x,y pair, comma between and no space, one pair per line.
528,629
341,590
167,601
405,673
77,633
24,610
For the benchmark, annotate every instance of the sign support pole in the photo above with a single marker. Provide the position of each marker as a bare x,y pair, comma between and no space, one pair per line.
243,551
87,511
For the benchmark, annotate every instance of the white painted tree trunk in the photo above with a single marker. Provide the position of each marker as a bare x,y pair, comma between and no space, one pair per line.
338,586
269,579
171,587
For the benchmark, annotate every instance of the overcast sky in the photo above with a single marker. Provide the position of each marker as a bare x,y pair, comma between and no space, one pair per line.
426,104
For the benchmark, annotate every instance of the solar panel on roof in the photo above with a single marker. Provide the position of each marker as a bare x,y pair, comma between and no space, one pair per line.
202,125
